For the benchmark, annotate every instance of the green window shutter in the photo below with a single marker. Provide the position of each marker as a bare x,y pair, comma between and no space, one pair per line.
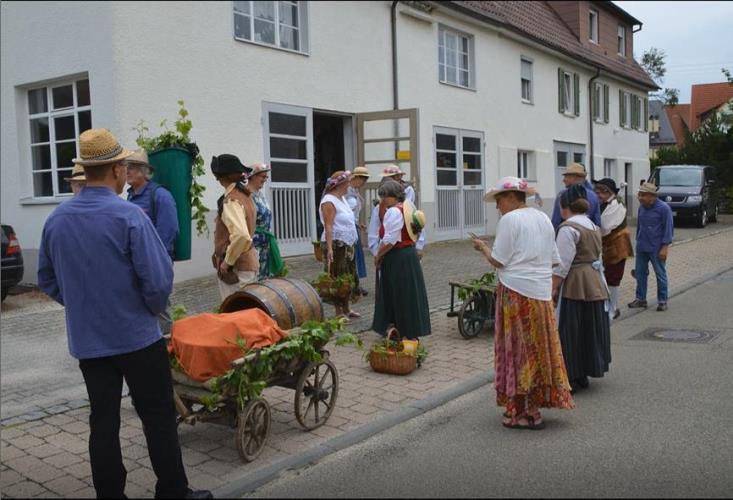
560,91
576,91
621,108
605,103
632,101
646,115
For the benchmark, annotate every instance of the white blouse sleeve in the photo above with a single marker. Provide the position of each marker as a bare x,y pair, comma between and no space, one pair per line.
393,224
420,243
503,247
567,239
373,231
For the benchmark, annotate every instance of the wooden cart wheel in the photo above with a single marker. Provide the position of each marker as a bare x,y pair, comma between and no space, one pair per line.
315,394
253,429
471,317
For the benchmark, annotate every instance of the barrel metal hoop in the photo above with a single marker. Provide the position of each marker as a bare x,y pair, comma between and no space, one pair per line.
305,296
285,300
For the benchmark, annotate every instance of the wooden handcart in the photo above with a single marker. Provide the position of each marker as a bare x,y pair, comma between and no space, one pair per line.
476,313
316,390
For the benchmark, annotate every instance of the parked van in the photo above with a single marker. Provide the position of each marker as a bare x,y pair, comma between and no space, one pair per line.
690,190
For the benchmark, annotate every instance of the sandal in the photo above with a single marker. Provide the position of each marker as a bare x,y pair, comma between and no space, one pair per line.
353,314
533,423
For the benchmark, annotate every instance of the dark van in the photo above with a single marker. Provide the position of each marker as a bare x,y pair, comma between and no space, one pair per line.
690,190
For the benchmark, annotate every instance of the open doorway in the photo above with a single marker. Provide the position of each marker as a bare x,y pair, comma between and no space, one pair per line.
330,152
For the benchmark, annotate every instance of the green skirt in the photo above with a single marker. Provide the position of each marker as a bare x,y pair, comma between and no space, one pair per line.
400,296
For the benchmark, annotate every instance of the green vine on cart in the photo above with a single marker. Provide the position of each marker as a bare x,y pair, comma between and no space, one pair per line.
474,286
180,138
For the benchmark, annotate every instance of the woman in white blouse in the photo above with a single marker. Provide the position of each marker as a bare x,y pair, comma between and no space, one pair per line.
339,237
528,362
400,297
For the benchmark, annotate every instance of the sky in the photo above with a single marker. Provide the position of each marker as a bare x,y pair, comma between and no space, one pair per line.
697,38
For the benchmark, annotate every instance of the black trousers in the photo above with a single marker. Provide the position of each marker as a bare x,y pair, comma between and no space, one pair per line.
148,377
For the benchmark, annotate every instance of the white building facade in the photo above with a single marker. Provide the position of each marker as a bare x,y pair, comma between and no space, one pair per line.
309,88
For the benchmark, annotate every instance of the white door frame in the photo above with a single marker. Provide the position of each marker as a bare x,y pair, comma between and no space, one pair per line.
571,149
292,203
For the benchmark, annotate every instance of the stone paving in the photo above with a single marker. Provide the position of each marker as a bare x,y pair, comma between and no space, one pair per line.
47,456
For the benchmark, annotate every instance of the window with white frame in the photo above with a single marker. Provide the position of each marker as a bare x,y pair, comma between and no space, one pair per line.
526,80
625,111
279,24
455,58
568,92
593,25
621,38
600,102
525,166
609,168
57,113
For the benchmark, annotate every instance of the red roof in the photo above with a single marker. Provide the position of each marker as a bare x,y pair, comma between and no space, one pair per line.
707,96
538,21
679,117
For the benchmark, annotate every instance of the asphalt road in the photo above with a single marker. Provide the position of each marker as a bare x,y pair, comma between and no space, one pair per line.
660,424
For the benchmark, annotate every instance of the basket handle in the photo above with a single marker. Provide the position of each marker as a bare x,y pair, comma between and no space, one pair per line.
393,331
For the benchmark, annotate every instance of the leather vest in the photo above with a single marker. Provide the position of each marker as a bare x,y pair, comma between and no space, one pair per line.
249,260
583,282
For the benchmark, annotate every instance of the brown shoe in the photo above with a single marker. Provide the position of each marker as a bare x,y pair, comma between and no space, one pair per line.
662,306
637,303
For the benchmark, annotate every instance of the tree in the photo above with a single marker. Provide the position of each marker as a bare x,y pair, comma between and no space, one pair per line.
653,62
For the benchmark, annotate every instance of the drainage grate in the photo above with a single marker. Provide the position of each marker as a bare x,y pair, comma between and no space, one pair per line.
681,335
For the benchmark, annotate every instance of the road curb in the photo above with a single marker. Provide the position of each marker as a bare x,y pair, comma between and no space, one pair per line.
251,481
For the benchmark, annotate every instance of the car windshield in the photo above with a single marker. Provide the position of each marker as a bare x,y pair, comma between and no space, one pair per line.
678,177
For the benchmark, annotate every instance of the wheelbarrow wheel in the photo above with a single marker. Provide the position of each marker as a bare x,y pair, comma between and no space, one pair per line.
471,317
253,429
315,394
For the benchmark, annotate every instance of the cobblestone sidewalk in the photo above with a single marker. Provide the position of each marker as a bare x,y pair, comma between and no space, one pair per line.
48,456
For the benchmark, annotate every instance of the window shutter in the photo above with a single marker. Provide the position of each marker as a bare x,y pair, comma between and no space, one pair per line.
621,108
646,115
576,92
605,103
560,91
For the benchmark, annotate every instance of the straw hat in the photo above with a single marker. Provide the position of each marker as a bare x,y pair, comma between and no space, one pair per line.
391,170
575,169
77,174
509,184
140,159
648,187
97,146
258,168
414,219
336,179
360,172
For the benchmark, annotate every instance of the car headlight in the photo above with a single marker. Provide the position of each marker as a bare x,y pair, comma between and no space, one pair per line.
695,198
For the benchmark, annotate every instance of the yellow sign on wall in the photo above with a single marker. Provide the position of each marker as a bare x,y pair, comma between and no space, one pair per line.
403,155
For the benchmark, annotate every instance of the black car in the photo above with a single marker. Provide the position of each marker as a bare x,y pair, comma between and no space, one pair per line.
690,190
12,260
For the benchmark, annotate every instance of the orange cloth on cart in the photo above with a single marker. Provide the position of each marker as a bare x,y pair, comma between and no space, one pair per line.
206,344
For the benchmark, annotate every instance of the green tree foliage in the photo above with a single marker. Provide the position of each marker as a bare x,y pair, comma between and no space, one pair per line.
653,62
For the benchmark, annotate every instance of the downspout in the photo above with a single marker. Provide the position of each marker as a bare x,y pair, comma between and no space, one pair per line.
395,100
590,121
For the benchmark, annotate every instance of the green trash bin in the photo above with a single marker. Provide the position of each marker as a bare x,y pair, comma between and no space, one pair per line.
173,171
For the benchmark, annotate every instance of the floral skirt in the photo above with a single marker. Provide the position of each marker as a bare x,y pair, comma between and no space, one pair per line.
343,262
528,359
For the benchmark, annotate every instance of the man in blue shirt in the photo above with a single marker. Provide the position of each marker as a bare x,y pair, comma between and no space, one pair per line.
101,258
575,174
654,233
155,200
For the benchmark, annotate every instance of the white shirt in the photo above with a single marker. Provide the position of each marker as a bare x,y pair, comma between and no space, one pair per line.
355,201
612,216
344,226
393,223
410,193
567,240
525,245
373,231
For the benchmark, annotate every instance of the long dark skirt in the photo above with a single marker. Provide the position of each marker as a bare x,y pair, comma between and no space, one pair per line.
401,299
359,257
585,336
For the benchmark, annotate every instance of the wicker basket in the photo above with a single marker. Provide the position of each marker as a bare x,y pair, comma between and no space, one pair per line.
394,362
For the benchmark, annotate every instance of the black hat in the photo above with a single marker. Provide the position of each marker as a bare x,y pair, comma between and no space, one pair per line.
609,183
228,164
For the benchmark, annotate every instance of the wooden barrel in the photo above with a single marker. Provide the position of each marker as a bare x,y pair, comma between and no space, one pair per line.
289,301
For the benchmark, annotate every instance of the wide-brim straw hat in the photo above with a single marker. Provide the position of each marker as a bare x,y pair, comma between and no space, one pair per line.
258,168
391,170
575,169
360,172
77,174
140,158
413,217
336,180
509,184
648,187
97,146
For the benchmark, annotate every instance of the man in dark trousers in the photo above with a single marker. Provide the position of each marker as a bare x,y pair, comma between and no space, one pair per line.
102,259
